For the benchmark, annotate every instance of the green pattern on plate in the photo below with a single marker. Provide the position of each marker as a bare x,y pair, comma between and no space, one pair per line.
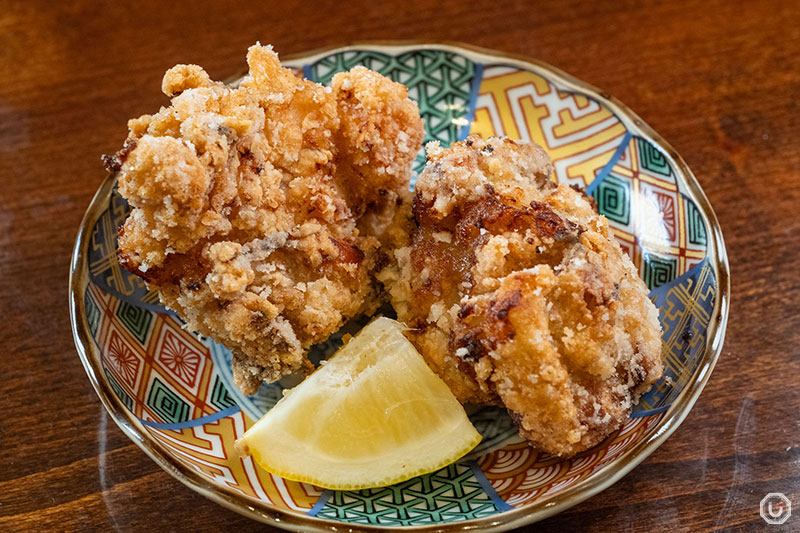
613,197
119,391
136,320
451,494
658,270
695,227
651,158
219,395
93,313
166,403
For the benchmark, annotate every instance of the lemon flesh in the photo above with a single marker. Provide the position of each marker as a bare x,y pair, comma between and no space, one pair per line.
374,414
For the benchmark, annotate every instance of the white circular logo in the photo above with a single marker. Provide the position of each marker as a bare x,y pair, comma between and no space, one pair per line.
776,508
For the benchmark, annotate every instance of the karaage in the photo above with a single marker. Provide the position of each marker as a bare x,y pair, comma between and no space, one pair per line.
517,294
259,210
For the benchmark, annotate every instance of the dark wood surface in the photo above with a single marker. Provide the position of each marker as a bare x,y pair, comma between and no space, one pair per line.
719,80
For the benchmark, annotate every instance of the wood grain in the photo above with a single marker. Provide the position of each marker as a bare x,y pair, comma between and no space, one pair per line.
719,80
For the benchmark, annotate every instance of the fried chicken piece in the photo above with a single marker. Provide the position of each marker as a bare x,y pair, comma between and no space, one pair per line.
259,210
518,295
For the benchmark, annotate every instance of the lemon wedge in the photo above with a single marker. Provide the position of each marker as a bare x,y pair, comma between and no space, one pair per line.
374,414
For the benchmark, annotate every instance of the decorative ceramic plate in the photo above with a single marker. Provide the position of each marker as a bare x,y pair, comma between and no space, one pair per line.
171,391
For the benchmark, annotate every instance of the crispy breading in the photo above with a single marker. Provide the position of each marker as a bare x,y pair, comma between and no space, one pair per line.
518,294
259,210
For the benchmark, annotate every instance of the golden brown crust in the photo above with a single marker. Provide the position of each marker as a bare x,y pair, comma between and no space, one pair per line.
519,295
259,210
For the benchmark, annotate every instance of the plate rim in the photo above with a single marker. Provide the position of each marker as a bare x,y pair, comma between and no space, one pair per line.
526,514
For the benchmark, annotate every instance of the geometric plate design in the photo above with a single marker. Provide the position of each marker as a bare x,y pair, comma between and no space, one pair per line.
220,397
136,320
519,474
613,197
166,403
451,494
578,133
208,449
686,310
92,312
119,391
653,220
180,357
176,387
124,359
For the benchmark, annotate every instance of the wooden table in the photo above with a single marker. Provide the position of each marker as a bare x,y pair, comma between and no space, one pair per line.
719,80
